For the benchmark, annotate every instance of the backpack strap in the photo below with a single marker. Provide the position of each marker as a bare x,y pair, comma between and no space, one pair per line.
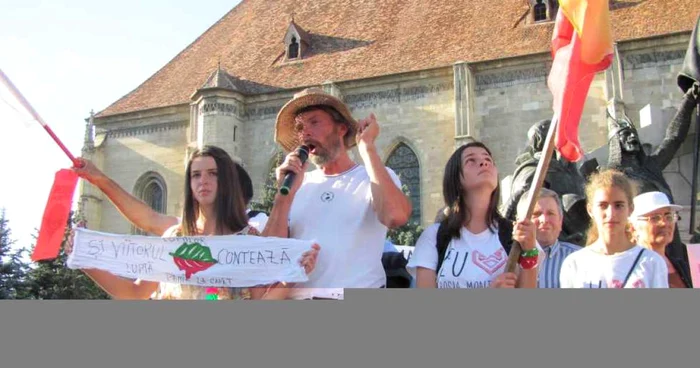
442,242
634,265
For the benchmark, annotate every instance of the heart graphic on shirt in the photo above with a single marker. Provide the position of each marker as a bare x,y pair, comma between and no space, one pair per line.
490,263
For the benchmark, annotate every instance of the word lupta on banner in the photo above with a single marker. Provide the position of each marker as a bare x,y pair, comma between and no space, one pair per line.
222,261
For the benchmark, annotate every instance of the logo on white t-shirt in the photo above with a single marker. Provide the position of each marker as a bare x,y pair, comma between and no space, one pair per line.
327,196
490,263
614,284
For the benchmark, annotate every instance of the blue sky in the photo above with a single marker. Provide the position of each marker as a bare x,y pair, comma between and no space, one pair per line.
66,58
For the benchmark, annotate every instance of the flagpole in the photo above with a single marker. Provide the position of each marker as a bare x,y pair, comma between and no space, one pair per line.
18,95
696,154
537,183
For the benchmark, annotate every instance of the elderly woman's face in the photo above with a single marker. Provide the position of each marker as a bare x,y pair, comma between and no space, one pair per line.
656,228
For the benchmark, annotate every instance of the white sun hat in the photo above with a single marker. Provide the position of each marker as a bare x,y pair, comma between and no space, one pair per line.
650,202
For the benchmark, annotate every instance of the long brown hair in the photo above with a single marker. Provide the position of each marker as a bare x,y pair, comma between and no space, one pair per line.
607,179
457,213
229,203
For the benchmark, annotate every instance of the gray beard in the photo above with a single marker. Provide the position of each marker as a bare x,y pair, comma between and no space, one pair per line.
319,160
326,157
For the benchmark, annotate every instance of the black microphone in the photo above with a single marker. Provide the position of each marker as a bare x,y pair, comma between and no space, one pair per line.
303,152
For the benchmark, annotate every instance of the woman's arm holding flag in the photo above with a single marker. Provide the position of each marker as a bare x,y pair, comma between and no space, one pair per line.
136,211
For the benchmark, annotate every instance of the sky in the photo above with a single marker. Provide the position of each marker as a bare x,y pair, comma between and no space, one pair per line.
68,58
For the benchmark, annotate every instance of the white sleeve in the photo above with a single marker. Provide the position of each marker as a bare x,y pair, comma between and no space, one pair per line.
567,273
259,221
425,253
660,276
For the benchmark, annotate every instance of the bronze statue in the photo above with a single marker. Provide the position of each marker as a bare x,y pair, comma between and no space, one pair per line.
562,177
626,154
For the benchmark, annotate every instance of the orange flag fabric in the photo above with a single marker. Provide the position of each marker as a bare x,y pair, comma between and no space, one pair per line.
53,224
581,47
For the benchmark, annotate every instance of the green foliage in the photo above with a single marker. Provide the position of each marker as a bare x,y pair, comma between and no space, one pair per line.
267,199
54,280
407,234
12,268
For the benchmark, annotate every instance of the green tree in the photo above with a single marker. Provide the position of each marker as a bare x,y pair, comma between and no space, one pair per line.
407,234
12,268
52,279
267,199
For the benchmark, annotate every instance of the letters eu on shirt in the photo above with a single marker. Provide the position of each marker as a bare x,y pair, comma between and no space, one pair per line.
472,261
336,212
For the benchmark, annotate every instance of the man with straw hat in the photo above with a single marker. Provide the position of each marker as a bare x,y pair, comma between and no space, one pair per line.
345,207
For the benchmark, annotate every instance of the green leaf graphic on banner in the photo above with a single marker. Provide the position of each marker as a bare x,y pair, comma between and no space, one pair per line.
192,258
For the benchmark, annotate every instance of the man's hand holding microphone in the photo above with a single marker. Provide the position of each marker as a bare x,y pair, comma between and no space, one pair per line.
290,173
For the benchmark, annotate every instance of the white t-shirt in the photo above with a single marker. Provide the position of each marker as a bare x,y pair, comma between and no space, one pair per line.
472,261
336,212
588,269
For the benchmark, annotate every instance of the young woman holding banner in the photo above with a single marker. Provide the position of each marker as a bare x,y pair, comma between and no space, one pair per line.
213,206
611,259
469,247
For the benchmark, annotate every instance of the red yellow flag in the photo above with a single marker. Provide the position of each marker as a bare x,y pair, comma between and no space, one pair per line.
581,47
56,213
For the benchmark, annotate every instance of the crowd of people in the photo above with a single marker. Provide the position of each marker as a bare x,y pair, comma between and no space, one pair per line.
346,208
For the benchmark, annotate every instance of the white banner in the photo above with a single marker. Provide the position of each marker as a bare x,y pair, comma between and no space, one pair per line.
224,261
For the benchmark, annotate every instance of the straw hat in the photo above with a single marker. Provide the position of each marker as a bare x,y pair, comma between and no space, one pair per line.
284,127
651,201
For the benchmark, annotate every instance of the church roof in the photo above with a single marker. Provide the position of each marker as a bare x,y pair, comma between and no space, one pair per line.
354,39
219,79
303,34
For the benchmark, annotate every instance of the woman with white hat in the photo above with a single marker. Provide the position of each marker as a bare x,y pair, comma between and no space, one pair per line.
654,220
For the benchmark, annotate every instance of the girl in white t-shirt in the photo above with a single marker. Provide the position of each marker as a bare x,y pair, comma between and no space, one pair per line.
212,206
611,259
474,255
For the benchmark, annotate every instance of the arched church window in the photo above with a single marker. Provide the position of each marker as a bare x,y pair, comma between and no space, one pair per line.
153,196
405,164
151,189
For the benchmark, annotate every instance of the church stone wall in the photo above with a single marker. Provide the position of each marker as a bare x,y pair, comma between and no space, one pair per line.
650,79
418,109
151,144
259,147
510,100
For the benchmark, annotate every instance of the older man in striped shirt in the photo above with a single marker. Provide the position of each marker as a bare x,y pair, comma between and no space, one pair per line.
548,216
